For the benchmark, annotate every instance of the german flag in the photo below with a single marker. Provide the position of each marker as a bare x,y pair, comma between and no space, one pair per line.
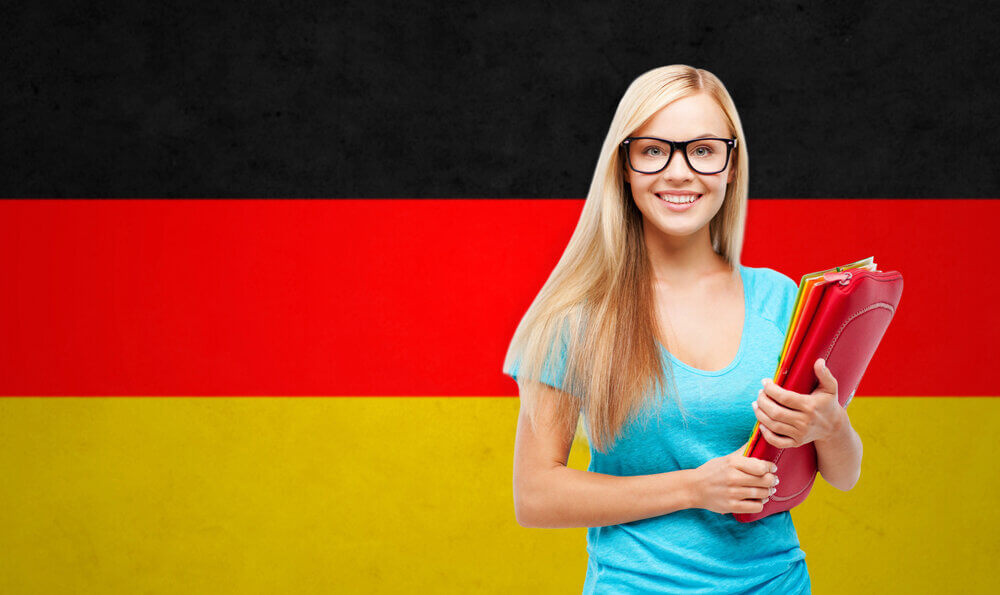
272,361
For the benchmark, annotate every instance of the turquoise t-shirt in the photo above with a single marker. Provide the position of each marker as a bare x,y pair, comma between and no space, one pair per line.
696,550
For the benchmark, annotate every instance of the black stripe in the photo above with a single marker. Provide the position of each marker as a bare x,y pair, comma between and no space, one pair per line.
367,99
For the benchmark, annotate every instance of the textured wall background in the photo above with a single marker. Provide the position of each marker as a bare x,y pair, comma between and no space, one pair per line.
483,100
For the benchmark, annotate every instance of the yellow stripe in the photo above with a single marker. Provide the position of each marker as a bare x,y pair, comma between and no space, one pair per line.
316,495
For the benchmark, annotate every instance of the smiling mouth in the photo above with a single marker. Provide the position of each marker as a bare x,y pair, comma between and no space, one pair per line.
679,199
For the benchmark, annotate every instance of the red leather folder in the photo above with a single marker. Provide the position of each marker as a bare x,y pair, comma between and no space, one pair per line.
846,326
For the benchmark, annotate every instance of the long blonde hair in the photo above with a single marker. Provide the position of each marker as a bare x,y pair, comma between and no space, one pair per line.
597,305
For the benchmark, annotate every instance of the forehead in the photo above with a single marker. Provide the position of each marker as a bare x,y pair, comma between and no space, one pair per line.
686,118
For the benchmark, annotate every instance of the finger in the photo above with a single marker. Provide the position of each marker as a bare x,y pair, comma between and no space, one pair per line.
753,494
762,488
825,376
776,440
754,466
781,419
789,399
750,482
748,506
768,480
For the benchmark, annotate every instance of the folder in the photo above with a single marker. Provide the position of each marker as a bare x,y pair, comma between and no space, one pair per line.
840,315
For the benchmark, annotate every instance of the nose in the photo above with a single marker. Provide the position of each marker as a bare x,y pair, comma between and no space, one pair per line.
677,168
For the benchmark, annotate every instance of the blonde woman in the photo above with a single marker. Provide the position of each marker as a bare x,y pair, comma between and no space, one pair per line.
652,331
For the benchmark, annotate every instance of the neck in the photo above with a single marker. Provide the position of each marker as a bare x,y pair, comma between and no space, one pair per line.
682,260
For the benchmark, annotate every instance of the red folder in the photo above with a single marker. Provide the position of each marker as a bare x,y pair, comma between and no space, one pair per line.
841,318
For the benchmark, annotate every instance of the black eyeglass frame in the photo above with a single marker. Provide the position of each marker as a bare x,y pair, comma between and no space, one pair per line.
677,146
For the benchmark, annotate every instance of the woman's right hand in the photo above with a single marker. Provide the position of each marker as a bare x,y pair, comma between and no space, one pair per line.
734,483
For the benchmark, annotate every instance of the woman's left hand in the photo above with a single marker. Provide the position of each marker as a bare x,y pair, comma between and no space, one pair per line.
789,419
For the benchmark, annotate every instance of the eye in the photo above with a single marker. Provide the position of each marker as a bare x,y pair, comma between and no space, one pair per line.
705,151
656,154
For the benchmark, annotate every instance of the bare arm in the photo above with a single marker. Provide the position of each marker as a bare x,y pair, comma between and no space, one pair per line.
839,457
549,494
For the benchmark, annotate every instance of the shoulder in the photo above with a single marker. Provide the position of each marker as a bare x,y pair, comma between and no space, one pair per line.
769,280
772,293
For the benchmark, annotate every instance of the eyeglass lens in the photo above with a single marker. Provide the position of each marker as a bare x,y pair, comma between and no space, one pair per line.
705,156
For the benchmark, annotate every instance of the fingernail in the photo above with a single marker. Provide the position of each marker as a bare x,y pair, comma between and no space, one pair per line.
754,403
764,381
774,468
765,500
776,480
772,490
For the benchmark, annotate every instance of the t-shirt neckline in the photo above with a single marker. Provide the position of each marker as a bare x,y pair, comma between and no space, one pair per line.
743,337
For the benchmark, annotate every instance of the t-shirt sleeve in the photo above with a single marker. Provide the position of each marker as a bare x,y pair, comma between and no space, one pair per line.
554,368
788,291
778,294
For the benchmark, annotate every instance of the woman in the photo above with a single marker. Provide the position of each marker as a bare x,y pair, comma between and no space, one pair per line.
650,292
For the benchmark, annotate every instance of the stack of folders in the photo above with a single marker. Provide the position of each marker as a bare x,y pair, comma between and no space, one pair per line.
840,315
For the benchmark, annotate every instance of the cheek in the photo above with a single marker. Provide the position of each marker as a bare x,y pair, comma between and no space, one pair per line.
719,189
632,181
718,199
637,187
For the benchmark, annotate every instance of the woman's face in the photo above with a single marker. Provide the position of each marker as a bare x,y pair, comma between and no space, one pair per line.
681,120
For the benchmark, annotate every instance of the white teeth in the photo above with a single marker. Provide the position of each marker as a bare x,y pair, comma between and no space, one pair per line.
678,200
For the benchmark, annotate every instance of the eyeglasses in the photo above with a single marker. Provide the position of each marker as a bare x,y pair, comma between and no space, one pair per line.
650,155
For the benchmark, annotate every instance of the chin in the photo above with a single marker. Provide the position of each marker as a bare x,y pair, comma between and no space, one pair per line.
675,231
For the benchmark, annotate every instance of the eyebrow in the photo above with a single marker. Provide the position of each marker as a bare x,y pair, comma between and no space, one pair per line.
708,135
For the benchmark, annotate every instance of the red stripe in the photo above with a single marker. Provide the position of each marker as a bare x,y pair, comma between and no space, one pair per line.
410,297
